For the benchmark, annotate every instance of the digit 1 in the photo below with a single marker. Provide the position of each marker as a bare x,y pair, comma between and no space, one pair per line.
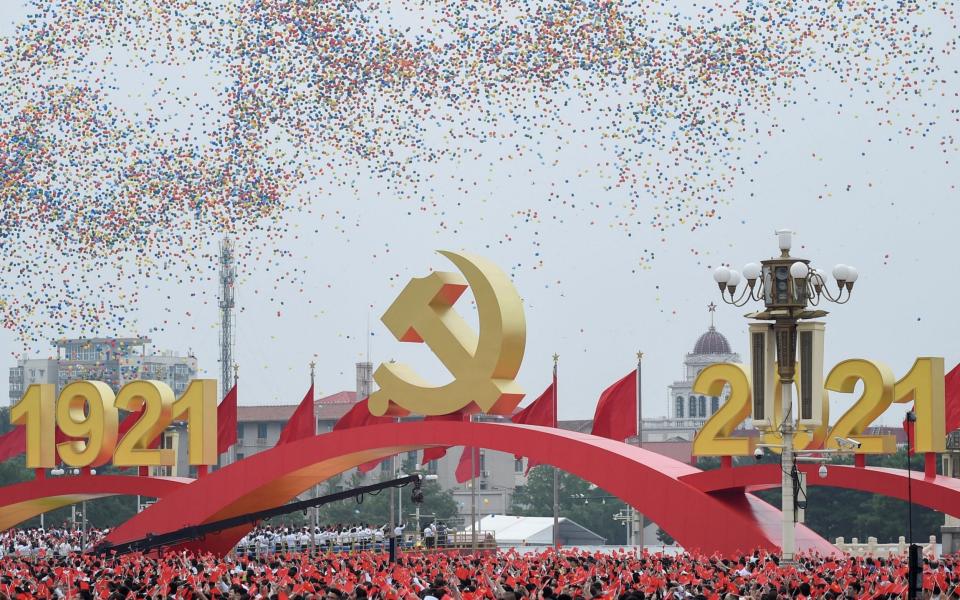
35,412
924,384
199,402
98,423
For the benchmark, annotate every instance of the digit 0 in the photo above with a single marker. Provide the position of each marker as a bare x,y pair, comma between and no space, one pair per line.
804,438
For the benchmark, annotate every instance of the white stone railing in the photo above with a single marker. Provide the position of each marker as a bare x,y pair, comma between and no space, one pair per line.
872,548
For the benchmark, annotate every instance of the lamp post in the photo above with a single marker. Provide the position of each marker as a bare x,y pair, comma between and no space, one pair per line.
787,287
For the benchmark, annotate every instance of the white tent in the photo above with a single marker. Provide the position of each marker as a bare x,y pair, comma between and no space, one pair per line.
537,531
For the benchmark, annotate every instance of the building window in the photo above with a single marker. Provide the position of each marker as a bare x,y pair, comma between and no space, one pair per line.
483,460
714,405
432,467
240,456
518,465
261,431
679,407
239,431
385,466
703,407
692,407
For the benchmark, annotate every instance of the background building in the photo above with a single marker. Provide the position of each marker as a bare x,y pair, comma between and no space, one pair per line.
114,361
686,411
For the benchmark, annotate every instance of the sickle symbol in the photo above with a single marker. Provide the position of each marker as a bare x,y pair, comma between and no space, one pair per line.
483,365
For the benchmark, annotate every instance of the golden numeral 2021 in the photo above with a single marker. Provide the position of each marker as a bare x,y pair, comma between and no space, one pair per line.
923,385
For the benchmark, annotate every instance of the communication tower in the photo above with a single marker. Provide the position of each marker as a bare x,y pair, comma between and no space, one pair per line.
228,277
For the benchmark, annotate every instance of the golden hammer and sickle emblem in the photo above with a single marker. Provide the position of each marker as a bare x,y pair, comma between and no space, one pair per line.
483,364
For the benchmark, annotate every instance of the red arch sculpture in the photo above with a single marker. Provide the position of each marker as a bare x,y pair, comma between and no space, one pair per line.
22,501
724,522
938,492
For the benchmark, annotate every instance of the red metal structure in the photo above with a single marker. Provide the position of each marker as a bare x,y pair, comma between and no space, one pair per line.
712,511
725,521
936,492
22,501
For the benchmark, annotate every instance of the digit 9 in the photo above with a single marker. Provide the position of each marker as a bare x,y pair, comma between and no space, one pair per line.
85,409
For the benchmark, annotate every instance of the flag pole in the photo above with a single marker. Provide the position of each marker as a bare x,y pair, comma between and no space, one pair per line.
556,471
315,521
232,457
474,463
640,518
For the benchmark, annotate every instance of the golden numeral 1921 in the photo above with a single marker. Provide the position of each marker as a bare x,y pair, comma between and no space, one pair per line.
88,414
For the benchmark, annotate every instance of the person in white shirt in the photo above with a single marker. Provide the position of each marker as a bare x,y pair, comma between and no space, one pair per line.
428,536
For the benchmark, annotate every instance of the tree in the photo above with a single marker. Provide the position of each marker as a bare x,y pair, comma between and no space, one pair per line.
834,512
375,508
664,538
579,501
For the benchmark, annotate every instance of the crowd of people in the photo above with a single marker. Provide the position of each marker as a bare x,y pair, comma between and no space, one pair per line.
339,538
567,574
48,542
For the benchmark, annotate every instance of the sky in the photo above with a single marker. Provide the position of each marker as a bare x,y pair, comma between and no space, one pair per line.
598,280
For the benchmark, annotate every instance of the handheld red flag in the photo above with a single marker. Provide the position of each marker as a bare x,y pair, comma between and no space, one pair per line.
616,415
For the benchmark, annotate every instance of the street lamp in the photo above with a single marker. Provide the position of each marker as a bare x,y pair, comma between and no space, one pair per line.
787,287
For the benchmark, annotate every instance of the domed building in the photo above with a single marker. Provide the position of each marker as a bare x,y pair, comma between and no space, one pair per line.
686,411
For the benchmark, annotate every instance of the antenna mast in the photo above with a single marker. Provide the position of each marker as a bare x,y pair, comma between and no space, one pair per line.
228,276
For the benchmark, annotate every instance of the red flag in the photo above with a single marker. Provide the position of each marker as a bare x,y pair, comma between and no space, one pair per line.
369,466
227,421
616,416
438,452
951,404
13,443
466,469
359,416
302,424
909,429
542,411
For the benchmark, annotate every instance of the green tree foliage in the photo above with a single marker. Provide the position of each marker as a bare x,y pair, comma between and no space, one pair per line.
375,508
835,512
590,507
664,538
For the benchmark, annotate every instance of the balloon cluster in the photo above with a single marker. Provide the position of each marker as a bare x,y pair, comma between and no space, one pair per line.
116,166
